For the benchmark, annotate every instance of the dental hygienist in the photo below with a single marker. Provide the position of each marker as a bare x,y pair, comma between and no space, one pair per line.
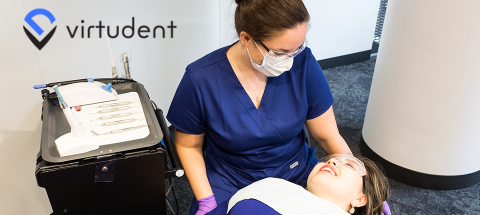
250,101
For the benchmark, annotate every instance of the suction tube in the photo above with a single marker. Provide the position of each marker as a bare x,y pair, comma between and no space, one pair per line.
171,148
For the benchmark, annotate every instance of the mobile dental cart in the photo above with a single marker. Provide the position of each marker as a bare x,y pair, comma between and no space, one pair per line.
119,178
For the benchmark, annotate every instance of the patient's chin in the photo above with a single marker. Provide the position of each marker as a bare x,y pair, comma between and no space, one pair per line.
321,182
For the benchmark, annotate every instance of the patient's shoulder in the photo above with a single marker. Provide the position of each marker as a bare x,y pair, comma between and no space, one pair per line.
252,206
247,206
281,196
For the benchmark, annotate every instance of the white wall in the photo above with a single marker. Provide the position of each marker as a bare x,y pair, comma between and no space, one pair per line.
341,27
228,35
158,63
423,110
337,27
202,26
19,117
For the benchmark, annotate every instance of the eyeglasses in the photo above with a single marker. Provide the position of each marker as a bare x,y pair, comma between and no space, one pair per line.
284,54
347,161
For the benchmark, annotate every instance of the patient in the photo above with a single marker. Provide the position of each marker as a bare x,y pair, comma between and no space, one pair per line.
338,184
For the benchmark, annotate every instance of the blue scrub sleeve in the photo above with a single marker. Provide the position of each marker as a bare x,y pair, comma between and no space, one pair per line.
319,96
186,112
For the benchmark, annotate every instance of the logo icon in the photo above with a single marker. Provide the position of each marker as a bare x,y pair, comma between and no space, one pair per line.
37,29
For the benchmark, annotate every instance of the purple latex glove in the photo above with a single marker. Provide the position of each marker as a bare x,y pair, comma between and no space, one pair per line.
206,205
386,209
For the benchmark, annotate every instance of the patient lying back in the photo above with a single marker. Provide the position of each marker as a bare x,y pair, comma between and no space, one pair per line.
338,184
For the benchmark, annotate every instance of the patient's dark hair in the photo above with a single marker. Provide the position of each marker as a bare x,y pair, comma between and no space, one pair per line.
375,186
263,19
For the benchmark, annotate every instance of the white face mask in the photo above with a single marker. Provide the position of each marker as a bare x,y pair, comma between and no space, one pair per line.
272,66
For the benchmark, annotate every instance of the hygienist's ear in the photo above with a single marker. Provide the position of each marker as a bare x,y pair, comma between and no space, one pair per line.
360,201
245,38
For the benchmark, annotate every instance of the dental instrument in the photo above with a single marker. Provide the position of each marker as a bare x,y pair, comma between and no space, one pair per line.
119,130
120,122
114,70
125,58
115,109
115,116
115,104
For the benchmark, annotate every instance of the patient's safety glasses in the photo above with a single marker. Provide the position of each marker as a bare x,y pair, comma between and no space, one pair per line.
347,161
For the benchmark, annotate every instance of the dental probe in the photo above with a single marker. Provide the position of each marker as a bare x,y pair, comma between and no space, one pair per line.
119,130
120,122
115,109
115,104
114,116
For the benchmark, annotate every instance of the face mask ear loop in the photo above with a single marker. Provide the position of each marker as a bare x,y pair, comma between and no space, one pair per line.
248,53
251,57
259,48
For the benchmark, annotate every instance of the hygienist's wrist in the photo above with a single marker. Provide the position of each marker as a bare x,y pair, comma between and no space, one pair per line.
206,205
204,196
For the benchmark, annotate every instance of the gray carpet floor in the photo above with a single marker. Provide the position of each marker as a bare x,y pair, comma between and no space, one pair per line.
350,87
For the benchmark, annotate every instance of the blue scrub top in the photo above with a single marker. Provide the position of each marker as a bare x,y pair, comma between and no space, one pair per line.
244,144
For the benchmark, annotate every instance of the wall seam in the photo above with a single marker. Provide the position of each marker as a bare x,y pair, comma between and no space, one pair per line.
36,54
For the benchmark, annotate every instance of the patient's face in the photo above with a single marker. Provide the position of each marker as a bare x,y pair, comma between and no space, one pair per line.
334,182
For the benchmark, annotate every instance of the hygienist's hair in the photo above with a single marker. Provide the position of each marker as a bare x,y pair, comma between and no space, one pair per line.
375,186
263,19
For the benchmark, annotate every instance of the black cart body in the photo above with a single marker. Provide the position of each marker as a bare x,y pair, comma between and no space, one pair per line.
121,178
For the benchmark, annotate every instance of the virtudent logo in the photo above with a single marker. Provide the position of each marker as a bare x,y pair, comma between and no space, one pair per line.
128,31
37,29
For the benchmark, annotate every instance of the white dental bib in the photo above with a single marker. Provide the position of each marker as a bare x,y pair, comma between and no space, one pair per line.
286,198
